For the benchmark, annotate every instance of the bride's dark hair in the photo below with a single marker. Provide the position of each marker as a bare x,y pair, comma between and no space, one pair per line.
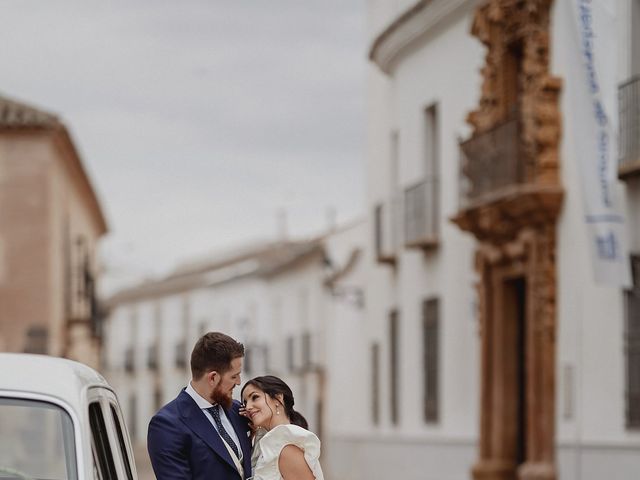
273,386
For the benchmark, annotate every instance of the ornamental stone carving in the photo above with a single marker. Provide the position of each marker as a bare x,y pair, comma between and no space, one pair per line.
515,225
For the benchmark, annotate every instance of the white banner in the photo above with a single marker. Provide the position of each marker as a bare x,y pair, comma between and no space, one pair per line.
593,97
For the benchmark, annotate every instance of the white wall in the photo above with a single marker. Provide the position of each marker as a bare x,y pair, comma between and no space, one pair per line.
442,69
590,316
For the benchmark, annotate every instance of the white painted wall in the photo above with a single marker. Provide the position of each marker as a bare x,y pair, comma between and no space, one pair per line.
428,74
443,68
590,317
254,309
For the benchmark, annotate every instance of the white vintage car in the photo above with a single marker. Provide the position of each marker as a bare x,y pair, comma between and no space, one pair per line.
60,420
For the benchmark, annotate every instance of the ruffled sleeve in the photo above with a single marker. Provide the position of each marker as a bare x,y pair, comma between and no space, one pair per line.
276,439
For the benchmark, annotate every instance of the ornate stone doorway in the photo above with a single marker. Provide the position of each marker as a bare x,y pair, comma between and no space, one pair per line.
518,358
510,201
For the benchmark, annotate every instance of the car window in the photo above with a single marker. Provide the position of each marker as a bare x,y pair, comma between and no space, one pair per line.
126,458
36,441
94,456
106,465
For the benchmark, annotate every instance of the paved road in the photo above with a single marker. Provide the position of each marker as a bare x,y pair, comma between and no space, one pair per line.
143,464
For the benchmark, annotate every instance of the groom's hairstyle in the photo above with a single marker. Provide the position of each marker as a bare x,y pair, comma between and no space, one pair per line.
214,351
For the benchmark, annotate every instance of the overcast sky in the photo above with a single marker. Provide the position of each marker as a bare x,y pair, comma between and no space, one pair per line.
198,119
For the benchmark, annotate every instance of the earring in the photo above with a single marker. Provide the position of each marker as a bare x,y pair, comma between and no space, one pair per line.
277,411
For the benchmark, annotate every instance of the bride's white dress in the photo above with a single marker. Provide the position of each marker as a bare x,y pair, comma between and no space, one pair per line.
272,443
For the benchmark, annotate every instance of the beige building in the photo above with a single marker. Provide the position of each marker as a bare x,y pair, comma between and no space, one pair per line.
50,223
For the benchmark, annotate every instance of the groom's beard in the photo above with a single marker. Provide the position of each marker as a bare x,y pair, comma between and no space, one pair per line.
221,398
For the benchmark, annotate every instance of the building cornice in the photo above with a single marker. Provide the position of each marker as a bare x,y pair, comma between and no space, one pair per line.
409,27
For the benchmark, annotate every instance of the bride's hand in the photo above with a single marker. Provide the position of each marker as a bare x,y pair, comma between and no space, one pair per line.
243,411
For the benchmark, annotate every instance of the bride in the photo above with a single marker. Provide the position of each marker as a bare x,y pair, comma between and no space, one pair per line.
287,450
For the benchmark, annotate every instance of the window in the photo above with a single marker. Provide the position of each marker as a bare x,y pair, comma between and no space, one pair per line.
421,200
386,216
37,440
379,230
101,444
306,350
291,354
247,363
430,333
431,142
181,355
375,383
393,365
37,340
152,357
511,79
157,398
632,342
124,451
129,362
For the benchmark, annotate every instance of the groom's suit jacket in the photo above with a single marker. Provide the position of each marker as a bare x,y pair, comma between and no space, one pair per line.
184,445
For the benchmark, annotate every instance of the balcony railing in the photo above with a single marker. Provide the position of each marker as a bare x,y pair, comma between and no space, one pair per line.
629,104
387,229
491,162
421,214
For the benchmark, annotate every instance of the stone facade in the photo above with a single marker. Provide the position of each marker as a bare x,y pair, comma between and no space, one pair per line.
50,223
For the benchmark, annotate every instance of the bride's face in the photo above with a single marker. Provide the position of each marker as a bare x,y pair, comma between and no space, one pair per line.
260,407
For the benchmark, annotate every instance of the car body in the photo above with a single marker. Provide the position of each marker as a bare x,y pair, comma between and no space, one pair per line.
60,419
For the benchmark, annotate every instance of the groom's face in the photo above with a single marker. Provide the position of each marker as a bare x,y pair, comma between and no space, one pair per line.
225,383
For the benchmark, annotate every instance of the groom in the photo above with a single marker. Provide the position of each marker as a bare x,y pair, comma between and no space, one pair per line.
200,435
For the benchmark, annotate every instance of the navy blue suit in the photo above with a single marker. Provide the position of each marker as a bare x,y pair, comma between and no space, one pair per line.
183,444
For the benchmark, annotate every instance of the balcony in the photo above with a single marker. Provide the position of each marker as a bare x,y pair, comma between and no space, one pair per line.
387,228
492,164
421,215
629,105
501,188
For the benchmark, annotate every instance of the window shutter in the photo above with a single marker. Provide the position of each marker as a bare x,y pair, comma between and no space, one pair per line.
375,383
393,365
633,347
430,331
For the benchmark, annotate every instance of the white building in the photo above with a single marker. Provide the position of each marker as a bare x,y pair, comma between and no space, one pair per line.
487,349
274,298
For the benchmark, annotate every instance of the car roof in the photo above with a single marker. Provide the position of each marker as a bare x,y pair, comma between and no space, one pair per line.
51,376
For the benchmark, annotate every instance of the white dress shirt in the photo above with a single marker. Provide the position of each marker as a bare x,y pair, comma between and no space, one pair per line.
203,403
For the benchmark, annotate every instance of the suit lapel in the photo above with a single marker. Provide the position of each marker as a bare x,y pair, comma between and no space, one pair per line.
196,420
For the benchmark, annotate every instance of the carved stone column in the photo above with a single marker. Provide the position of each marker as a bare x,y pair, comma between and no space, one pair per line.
530,258
516,228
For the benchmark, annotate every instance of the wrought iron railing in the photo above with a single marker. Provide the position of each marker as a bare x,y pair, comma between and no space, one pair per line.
629,147
421,213
491,161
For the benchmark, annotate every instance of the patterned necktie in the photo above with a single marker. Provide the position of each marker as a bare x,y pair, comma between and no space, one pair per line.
215,413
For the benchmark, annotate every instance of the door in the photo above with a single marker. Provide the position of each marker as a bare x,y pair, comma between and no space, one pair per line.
110,444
